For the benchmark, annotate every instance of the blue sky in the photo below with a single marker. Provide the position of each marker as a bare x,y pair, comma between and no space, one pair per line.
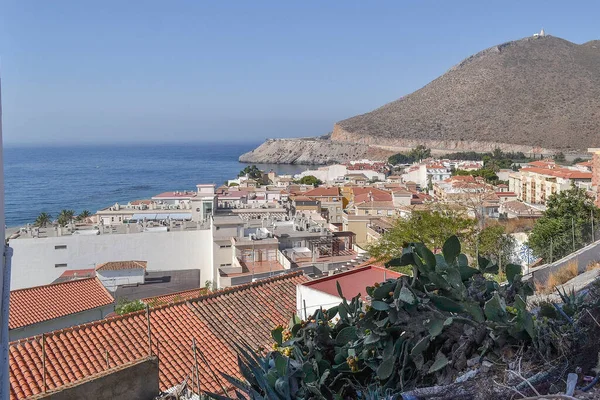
107,71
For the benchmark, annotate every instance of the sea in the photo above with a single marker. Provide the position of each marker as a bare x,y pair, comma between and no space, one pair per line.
50,179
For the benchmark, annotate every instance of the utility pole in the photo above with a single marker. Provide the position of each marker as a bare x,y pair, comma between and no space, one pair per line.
5,259
550,248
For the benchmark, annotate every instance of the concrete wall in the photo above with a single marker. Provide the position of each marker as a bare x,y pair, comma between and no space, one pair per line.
34,259
314,299
283,260
137,380
111,278
583,257
60,323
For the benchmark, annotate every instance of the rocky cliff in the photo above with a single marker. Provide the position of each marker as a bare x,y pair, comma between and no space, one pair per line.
311,151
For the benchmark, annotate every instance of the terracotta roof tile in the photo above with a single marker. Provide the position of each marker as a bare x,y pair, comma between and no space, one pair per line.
323,191
120,265
42,303
241,314
559,172
176,297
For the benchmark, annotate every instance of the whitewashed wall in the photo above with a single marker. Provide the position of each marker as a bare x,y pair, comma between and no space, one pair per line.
35,258
314,300
113,278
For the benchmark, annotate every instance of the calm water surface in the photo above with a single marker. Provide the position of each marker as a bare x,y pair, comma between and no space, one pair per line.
93,177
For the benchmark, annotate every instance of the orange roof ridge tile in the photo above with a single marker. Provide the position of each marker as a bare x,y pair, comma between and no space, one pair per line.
227,290
51,284
120,265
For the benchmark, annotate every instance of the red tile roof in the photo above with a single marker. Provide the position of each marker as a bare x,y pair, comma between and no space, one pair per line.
121,265
385,205
218,321
73,274
559,172
354,281
545,163
366,193
303,198
323,191
175,297
42,303
140,202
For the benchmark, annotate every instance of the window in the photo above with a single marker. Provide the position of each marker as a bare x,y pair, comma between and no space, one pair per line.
60,247
60,265
225,265
225,246
112,219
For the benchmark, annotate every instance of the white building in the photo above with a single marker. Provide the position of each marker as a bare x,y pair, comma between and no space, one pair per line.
41,260
327,174
425,173
117,273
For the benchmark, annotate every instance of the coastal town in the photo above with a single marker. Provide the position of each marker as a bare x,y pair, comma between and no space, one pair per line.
255,201
261,240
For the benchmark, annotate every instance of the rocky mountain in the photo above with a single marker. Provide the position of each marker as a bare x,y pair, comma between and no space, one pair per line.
531,95
535,95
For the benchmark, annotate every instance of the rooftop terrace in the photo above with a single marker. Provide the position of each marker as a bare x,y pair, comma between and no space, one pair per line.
93,230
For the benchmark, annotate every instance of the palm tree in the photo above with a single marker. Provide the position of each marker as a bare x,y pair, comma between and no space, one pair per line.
43,219
65,217
85,214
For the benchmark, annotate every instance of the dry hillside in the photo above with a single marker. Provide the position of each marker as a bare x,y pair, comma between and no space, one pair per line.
531,94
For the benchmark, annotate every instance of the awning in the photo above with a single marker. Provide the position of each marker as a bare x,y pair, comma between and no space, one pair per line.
180,216
140,217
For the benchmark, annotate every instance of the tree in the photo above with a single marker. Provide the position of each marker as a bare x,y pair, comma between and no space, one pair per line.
43,220
125,306
400,158
420,152
577,160
495,244
210,286
486,173
310,180
65,217
252,172
431,227
84,215
565,226
560,157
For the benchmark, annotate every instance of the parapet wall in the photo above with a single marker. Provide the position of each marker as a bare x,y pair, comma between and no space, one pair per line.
583,257
136,380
